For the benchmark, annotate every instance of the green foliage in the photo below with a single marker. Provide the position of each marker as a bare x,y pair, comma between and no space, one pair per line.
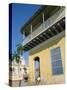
17,54
16,57
20,49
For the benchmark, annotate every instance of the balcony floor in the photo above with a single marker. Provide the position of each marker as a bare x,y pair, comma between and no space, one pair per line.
52,31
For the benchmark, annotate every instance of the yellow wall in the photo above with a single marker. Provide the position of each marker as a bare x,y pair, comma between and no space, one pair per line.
45,61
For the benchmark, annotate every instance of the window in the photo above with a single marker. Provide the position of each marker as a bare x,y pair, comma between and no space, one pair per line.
11,69
56,61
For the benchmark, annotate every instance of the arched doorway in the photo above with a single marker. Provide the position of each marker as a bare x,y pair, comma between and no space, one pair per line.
37,67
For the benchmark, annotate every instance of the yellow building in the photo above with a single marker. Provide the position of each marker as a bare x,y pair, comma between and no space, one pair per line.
45,41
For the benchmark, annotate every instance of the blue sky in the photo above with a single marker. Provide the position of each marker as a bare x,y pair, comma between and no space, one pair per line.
20,15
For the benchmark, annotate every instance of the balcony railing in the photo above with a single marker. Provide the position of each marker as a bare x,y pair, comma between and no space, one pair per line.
44,26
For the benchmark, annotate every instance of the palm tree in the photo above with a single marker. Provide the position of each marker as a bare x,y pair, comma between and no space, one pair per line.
20,49
17,53
17,57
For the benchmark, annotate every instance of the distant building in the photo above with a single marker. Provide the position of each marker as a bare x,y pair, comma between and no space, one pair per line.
45,41
16,72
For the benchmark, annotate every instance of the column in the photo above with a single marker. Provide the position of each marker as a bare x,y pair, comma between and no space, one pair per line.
43,19
23,35
31,31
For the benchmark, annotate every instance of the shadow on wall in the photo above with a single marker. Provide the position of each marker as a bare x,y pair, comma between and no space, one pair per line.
47,45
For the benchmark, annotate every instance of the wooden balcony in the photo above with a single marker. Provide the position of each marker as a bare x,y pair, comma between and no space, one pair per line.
52,26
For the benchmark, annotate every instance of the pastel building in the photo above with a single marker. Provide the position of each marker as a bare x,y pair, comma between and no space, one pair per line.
16,72
45,41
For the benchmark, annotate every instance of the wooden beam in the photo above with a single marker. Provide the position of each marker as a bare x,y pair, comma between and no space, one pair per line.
61,28
51,32
54,28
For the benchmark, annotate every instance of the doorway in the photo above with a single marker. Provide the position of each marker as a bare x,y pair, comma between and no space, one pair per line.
37,68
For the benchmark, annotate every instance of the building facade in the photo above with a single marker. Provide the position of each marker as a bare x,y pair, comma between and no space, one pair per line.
17,72
44,39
